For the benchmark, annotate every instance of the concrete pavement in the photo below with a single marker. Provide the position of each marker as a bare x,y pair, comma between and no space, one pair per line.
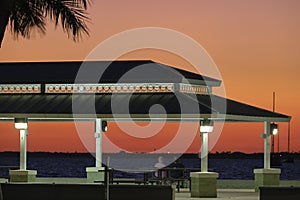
239,194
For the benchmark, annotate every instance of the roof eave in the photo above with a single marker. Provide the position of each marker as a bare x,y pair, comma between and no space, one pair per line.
144,117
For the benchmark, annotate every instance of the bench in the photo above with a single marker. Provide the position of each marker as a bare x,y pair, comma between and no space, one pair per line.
168,180
279,193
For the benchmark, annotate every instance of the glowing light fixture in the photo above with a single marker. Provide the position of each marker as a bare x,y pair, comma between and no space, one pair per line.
110,88
104,126
274,128
20,88
206,126
104,88
21,123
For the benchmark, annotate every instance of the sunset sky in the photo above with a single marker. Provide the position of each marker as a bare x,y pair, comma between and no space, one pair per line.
254,43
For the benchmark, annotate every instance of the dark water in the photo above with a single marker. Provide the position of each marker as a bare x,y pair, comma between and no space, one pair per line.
73,165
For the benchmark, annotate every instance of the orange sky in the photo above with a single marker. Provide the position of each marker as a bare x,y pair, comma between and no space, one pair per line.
254,43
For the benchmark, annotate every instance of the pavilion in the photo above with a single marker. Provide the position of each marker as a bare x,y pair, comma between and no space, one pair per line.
48,91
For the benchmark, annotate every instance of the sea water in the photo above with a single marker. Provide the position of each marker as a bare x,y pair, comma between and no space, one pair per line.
74,165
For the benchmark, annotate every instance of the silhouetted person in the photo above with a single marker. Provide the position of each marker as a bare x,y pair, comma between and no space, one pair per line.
160,164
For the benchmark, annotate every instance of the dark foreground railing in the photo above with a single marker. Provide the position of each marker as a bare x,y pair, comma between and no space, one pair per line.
279,193
35,191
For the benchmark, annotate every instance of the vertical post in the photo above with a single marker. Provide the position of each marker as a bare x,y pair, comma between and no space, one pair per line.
204,152
98,136
23,136
267,158
289,137
106,182
273,144
278,144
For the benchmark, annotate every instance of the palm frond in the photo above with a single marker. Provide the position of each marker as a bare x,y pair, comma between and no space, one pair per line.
25,17
5,11
28,15
70,13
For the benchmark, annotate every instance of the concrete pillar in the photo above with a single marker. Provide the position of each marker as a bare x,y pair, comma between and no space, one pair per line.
267,140
204,152
23,153
96,174
204,184
267,176
23,175
98,136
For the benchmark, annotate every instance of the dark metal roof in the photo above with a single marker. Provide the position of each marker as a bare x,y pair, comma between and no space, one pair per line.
175,106
135,71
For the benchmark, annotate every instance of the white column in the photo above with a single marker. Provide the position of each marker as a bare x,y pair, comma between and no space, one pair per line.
98,136
267,139
204,152
23,136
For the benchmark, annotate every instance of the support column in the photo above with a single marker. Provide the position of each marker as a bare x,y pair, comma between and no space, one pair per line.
23,153
267,176
267,140
98,136
23,175
96,174
204,183
204,152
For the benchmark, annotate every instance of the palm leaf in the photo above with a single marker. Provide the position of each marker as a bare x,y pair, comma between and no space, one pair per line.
5,10
28,15
71,14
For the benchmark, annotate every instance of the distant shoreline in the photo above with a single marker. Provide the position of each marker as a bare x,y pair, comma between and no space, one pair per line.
222,155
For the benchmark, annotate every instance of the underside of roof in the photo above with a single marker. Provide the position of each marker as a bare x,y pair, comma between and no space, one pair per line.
144,107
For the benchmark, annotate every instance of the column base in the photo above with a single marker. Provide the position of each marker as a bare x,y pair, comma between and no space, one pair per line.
266,177
204,184
94,175
22,175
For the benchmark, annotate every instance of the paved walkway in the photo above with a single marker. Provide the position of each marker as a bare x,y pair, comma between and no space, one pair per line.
240,194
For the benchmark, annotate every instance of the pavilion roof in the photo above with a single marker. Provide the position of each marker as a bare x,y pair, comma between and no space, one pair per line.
175,105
